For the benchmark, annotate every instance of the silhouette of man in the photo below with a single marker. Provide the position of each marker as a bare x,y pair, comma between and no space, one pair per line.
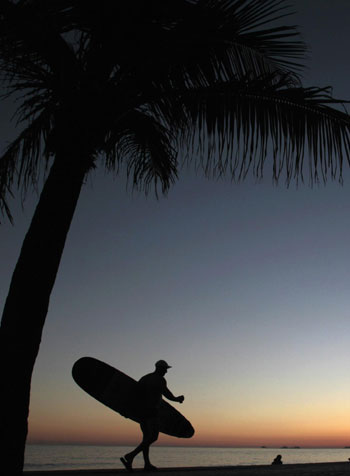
150,390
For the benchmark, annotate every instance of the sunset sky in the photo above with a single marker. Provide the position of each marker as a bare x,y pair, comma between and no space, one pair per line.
243,289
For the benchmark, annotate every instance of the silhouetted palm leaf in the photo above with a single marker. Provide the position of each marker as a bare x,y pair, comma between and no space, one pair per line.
263,119
214,71
147,148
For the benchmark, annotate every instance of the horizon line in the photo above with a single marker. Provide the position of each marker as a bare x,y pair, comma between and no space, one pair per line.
165,445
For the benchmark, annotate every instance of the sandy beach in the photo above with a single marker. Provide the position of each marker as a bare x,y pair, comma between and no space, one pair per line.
315,469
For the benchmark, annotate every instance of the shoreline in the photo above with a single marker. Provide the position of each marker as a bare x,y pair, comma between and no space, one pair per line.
303,469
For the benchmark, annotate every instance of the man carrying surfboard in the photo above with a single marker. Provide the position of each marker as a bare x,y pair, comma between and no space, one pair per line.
150,390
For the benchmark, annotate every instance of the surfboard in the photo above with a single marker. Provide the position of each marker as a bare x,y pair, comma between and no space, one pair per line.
116,390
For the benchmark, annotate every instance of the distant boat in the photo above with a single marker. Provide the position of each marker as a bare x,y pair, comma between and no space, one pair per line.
290,447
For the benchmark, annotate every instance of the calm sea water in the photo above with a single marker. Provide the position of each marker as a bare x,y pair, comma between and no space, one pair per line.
53,457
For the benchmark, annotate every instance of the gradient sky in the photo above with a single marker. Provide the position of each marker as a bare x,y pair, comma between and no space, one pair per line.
243,289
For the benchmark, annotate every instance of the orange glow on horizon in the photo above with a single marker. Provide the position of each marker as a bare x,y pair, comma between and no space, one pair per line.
223,420
124,432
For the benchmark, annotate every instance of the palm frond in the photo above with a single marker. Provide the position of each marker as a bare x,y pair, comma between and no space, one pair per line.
21,164
244,45
32,33
187,42
146,147
238,125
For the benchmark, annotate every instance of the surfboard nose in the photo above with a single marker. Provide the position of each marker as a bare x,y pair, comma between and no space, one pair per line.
189,431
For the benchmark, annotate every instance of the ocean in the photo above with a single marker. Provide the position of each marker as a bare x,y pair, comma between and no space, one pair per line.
60,457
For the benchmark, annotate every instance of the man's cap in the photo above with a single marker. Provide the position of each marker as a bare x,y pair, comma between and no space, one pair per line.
163,364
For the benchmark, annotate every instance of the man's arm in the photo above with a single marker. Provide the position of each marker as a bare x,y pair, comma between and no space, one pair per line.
167,393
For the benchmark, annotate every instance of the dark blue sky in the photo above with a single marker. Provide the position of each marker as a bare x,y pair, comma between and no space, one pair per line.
244,289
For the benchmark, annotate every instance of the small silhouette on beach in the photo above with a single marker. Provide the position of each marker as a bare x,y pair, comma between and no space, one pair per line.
277,460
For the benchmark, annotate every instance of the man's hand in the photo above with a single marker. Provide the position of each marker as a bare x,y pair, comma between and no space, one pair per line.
180,399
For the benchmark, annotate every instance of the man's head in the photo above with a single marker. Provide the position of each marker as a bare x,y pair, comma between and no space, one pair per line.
162,367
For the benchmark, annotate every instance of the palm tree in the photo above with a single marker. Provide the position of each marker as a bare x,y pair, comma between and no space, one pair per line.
133,86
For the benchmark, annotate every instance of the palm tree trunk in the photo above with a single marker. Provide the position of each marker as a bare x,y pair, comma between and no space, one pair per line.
28,300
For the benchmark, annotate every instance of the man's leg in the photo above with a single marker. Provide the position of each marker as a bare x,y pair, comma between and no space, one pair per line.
129,457
150,431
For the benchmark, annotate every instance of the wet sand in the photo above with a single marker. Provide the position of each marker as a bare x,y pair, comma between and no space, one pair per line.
315,469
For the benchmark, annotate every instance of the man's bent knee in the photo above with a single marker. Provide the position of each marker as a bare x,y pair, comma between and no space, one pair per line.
154,437
149,438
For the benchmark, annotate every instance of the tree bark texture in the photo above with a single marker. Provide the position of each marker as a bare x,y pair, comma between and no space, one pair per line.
28,300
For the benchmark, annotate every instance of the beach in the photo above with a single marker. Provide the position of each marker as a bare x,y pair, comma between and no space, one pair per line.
312,469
